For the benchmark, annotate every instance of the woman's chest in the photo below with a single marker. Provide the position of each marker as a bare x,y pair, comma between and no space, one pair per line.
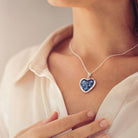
67,76
75,99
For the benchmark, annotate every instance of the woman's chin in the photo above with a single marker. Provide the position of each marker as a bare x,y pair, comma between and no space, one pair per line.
59,3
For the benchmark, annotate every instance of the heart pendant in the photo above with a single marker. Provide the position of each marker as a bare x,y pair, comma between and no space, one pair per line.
87,84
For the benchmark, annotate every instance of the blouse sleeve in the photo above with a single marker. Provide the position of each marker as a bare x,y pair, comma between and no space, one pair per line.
3,125
4,131
3,115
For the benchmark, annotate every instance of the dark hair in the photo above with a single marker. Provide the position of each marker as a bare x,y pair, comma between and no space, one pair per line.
135,7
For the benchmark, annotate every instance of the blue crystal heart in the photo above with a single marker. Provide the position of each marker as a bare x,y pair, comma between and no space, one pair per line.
87,84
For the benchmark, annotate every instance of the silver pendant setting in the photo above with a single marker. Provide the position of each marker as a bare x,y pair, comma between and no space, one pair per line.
88,84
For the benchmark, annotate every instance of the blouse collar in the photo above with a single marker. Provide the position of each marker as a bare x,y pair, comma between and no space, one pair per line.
38,59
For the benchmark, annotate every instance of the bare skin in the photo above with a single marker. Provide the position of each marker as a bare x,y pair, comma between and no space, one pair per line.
68,74
100,28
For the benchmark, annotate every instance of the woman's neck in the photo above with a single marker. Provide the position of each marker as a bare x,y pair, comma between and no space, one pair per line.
103,29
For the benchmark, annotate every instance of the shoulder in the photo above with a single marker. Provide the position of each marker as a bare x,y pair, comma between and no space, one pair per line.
17,62
22,56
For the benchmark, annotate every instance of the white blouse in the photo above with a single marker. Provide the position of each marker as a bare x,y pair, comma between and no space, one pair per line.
29,93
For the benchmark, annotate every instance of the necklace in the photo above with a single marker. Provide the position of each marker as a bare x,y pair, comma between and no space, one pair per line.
87,84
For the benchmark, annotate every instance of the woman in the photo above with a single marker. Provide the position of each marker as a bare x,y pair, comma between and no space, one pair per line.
51,77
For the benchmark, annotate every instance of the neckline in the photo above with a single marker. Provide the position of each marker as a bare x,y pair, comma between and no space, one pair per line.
51,77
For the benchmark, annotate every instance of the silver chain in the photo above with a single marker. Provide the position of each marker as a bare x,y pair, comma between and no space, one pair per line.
89,73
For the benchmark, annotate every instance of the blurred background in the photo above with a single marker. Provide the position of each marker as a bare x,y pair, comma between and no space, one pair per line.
25,23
